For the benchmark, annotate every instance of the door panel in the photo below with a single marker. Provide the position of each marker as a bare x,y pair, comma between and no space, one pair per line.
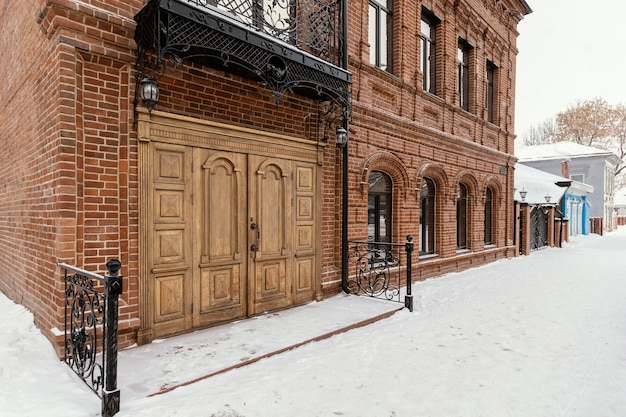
270,212
305,235
169,300
304,275
171,248
271,280
220,288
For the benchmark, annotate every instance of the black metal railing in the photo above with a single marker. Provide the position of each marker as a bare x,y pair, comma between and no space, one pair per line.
539,227
295,46
311,25
91,328
377,269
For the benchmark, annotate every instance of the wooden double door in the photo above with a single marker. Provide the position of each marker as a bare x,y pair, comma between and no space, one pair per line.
231,234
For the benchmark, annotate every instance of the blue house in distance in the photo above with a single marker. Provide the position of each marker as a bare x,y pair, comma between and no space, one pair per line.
593,169
575,207
545,188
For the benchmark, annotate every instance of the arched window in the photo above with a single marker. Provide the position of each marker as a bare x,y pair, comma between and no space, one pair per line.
427,217
461,217
489,217
379,208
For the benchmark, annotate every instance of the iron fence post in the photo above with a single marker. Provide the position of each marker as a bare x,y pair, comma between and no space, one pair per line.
112,291
409,246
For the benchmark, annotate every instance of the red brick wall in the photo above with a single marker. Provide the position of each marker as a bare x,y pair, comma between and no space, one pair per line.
31,188
72,156
65,135
427,135
69,173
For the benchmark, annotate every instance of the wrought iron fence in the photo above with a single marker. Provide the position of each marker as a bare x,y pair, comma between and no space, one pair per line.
377,269
295,46
311,25
539,227
91,328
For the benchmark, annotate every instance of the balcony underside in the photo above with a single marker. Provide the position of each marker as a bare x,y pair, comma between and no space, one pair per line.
170,31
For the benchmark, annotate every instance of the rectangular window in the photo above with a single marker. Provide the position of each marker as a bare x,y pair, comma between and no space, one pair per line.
577,177
490,92
380,34
429,50
463,74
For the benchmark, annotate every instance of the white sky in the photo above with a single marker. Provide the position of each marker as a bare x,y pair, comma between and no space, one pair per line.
569,50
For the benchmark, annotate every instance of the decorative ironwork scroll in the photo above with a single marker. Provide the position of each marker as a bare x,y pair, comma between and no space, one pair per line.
539,228
373,265
84,321
376,269
288,45
91,327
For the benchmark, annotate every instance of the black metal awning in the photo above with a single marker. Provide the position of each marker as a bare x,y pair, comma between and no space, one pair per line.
288,45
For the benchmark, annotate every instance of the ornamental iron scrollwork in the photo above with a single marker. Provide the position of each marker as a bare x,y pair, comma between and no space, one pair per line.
84,307
311,25
91,330
376,269
287,45
539,227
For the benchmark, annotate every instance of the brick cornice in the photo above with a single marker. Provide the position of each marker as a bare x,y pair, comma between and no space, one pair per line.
86,24
418,132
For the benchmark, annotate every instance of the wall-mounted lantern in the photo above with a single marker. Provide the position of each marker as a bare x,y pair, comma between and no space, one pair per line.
341,137
523,194
149,92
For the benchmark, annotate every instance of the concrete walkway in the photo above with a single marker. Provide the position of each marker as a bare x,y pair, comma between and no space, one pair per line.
185,359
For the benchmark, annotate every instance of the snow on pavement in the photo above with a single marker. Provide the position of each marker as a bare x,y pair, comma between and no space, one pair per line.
539,335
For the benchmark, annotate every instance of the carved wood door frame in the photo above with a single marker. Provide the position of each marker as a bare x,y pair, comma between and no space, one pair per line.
198,263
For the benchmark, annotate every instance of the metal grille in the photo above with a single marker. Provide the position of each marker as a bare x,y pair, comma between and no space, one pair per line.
539,228
91,330
84,321
377,269
288,45
310,25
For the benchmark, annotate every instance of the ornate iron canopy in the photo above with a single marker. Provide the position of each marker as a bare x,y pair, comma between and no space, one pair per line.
288,45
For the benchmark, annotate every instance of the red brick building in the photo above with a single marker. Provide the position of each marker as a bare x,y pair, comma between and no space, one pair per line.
224,201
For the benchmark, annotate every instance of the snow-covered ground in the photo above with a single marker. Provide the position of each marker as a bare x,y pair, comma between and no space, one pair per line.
540,335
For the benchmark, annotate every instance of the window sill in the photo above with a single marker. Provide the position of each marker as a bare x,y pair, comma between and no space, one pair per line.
428,256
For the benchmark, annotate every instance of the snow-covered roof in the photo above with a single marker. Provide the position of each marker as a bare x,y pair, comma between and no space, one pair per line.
559,150
580,188
538,184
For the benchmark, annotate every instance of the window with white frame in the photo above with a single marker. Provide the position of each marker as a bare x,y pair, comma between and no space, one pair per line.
463,74
428,53
380,34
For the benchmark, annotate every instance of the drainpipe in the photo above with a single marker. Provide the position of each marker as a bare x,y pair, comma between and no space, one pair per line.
344,159
344,214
